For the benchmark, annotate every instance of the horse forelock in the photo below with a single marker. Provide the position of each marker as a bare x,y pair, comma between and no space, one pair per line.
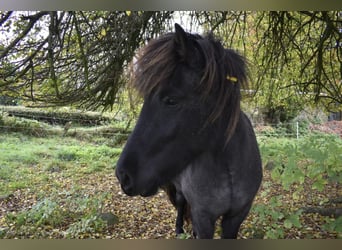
154,65
224,72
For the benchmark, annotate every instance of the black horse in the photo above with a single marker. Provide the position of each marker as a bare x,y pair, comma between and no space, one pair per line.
192,138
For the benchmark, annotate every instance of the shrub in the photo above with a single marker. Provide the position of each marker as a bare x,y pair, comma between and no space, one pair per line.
45,212
87,225
298,166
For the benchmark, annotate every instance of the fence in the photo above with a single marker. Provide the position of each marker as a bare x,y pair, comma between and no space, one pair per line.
293,129
297,129
43,123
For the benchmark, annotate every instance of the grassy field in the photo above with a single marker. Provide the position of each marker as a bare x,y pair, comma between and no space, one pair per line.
53,181
26,162
64,187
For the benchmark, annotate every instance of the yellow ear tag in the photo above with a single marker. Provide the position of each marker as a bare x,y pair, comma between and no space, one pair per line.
232,79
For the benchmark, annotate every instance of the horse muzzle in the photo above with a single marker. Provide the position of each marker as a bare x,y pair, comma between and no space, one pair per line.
130,187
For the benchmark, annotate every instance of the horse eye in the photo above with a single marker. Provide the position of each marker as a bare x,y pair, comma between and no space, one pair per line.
169,101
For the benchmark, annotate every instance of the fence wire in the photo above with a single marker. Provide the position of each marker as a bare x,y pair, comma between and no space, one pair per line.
290,130
47,124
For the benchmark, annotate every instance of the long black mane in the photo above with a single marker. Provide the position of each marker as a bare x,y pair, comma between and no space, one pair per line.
223,72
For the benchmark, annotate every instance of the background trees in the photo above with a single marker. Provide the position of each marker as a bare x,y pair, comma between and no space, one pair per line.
295,57
61,58
79,58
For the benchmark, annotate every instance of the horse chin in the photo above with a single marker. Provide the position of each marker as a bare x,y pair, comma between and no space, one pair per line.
134,191
150,192
129,192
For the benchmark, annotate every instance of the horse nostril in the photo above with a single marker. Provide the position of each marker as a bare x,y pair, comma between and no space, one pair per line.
122,176
125,180
126,172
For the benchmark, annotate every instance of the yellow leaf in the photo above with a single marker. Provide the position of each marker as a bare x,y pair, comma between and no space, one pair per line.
128,12
103,32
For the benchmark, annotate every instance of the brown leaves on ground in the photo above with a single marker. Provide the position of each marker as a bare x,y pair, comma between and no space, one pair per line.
154,217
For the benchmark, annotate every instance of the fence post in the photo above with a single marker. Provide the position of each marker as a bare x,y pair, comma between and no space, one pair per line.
297,129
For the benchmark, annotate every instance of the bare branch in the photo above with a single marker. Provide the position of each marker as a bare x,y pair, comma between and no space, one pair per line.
32,20
5,17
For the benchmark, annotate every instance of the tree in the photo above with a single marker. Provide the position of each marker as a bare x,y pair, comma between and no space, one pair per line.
80,57
61,58
295,57
303,52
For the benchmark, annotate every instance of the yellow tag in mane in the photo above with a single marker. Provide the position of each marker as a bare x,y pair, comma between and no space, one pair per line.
232,78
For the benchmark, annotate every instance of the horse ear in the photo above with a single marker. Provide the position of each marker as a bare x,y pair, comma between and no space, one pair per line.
182,43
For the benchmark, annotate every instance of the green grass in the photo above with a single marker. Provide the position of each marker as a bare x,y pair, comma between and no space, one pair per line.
61,183
27,161
57,184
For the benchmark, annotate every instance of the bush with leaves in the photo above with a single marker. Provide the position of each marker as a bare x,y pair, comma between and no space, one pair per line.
301,168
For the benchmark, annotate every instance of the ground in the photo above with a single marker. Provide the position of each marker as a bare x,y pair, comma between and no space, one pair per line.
154,217
77,174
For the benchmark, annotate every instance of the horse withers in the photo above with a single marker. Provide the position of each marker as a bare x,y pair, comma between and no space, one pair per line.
192,138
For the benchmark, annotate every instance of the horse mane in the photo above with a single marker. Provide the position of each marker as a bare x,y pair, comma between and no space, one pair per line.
224,73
